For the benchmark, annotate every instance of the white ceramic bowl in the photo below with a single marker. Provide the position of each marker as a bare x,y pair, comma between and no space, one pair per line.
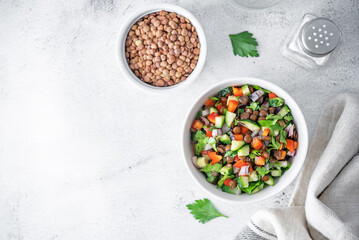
280,183
133,18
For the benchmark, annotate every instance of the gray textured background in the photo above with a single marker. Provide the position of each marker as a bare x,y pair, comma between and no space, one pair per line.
84,155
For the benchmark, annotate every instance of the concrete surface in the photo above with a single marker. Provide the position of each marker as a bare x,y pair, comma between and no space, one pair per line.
84,155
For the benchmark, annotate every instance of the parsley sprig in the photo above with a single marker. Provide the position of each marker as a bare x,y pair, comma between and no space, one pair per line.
244,44
204,211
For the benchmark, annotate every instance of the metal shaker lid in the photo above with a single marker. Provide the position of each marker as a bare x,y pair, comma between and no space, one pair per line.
319,37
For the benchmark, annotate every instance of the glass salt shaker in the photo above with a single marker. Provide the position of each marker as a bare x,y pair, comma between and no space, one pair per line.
312,42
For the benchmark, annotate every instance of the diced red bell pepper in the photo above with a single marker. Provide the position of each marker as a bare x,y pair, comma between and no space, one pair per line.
212,117
232,105
266,132
284,153
205,152
197,124
219,106
290,145
237,91
210,102
208,132
258,160
240,164
295,145
227,181
214,157
256,143
244,129
238,137
272,95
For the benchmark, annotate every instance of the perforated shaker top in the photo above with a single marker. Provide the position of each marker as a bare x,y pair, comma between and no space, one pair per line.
319,37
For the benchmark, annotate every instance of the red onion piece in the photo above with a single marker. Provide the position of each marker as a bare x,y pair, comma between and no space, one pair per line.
205,112
217,132
292,154
205,121
225,128
277,110
207,147
194,161
267,166
235,170
265,105
266,143
254,133
244,170
256,95
283,163
289,129
231,136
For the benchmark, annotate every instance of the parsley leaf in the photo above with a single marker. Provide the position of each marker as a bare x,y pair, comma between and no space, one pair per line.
204,211
214,98
278,165
262,171
254,106
254,153
244,44
276,102
251,187
273,117
231,153
283,136
228,189
256,87
210,168
202,141
224,91
240,111
288,117
274,144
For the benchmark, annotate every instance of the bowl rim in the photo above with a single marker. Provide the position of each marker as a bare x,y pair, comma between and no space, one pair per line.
134,17
300,157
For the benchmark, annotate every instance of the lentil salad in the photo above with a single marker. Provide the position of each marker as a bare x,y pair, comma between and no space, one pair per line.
243,139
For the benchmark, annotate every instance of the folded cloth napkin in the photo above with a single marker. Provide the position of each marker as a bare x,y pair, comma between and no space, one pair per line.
325,203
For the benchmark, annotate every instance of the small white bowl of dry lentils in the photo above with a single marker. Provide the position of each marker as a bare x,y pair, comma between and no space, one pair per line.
161,47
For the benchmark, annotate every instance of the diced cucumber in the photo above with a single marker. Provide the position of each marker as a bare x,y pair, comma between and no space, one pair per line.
245,90
249,124
276,173
253,177
226,170
219,121
202,162
257,189
244,151
284,111
212,142
225,139
270,181
234,98
229,118
236,145
243,181
212,109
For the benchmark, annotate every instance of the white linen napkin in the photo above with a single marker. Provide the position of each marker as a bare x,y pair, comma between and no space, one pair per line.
325,203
